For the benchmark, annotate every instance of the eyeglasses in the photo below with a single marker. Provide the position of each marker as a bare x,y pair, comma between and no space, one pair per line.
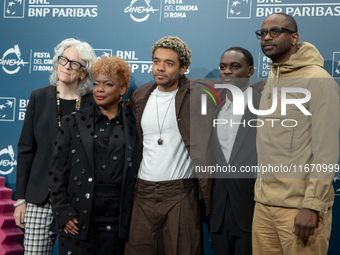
273,32
73,64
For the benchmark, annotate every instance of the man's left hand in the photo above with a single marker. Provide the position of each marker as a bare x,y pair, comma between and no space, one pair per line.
305,222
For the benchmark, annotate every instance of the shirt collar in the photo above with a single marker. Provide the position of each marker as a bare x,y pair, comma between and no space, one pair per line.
98,114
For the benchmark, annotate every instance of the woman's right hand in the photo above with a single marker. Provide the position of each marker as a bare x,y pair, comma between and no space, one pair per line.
71,228
19,214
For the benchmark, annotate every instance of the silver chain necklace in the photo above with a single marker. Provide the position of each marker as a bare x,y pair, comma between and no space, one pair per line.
160,140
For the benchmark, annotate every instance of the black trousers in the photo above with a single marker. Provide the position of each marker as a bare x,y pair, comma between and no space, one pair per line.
103,231
230,239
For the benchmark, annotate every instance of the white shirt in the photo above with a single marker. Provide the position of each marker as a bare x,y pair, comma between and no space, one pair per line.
226,133
170,161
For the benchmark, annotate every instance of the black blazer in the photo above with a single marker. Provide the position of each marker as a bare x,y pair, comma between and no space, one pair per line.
239,190
71,181
36,144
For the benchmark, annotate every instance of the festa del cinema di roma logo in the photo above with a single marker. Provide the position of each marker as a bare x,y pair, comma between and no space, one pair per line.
238,103
140,10
7,160
11,60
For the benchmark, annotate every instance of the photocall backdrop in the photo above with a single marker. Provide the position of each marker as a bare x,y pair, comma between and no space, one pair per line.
30,29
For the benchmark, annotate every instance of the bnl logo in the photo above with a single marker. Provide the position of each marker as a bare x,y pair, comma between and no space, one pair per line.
7,108
105,53
14,8
336,65
239,9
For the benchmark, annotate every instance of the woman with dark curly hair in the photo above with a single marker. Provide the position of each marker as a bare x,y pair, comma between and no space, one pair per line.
70,91
95,166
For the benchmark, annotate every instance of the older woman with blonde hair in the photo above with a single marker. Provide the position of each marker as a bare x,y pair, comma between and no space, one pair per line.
95,166
70,91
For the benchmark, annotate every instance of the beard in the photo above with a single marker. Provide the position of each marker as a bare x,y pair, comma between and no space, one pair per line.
278,51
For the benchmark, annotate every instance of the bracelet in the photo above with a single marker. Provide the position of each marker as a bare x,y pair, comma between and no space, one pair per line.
19,203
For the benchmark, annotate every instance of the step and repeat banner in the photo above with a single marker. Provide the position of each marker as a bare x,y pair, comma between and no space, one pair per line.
30,29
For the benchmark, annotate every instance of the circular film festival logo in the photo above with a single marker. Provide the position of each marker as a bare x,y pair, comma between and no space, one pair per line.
7,160
140,10
11,60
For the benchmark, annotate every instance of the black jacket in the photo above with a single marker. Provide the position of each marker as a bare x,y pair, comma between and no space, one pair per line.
239,190
71,181
36,144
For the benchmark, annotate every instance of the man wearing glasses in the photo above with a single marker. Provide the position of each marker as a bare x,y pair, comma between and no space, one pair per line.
294,198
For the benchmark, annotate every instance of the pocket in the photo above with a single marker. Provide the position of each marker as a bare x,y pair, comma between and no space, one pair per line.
36,163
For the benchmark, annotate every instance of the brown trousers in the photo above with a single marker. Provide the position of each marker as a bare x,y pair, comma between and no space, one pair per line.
165,219
272,232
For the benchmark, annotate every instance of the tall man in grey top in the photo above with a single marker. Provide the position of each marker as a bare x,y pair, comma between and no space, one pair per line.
165,216
293,210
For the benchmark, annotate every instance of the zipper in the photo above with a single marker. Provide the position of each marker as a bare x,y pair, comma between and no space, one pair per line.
291,145
258,182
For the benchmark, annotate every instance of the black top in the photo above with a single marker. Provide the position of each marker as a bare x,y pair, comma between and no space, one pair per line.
109,144
67,106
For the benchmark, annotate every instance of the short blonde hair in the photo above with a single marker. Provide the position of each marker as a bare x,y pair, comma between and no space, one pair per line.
176,44
114,67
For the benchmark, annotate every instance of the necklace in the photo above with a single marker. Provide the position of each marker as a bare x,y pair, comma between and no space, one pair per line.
160,140
78,100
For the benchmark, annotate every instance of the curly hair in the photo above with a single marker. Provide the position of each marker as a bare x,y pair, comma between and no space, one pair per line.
176,44
87,56
114,67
